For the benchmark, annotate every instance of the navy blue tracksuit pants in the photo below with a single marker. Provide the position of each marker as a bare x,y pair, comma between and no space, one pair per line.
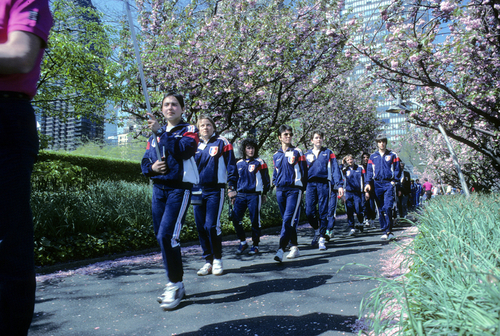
252,201
353,205
332,210
207,218
169,207
289,204
369,209
384,196
318,193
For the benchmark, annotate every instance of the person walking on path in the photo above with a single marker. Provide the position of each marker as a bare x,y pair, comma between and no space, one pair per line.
404,190
418,192
173,177
24,30
253,185
290,179
384,171
217,167
353,185
322,171
368,203
427,189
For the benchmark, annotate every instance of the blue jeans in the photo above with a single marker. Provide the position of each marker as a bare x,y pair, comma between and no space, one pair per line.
207,218
169,208
18,151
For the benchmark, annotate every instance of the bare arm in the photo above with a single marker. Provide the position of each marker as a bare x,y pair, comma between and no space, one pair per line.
19,53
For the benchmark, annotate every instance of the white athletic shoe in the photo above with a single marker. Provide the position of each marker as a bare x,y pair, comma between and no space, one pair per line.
390,236
294,253
321,244
217,267
205,270
173,295
383,237
279,255
352,232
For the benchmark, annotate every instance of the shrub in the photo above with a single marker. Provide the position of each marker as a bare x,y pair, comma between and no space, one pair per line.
453,286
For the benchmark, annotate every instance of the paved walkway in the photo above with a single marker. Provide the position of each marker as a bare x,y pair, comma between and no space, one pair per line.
317,294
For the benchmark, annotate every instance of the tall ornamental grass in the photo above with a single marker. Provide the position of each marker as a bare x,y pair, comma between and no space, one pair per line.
453,283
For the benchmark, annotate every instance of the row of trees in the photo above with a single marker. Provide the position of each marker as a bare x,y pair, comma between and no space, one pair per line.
254,65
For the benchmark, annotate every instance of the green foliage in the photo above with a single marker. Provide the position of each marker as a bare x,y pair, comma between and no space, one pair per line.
57,175
109,217
132,150
78,69
453,283
98,168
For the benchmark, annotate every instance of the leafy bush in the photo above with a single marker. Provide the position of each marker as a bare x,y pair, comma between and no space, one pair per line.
453,283
57,175
109,217
99,168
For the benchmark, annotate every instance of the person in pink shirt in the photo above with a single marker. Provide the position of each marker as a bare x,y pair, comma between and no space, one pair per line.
427,187
24,29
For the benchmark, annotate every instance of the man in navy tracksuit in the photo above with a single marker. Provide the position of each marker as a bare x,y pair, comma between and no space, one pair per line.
173,176
418,192
353,185
369,208
322,171
253,185
290,179
384,171
217,167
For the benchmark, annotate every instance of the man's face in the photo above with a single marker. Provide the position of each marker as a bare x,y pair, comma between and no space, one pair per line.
381,144
286,137
206,128
366,158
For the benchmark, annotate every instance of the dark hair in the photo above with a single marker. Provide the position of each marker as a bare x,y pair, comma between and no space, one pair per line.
284,128
365,153
318,132
176,95
249,142
209,118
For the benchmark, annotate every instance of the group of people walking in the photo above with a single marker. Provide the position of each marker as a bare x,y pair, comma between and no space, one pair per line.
200,157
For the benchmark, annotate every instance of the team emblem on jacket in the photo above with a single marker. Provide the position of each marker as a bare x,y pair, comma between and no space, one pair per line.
310,157
251,168
213,150
387,158
291,159
348,173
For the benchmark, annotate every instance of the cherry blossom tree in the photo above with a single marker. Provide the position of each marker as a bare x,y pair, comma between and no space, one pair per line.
443,54
256,65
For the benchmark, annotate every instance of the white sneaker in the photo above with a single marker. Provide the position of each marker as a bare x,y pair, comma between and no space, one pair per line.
383,237
205,270
321,244
352,232
366,223
279,255
390,236
173,295
294,253
217,270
